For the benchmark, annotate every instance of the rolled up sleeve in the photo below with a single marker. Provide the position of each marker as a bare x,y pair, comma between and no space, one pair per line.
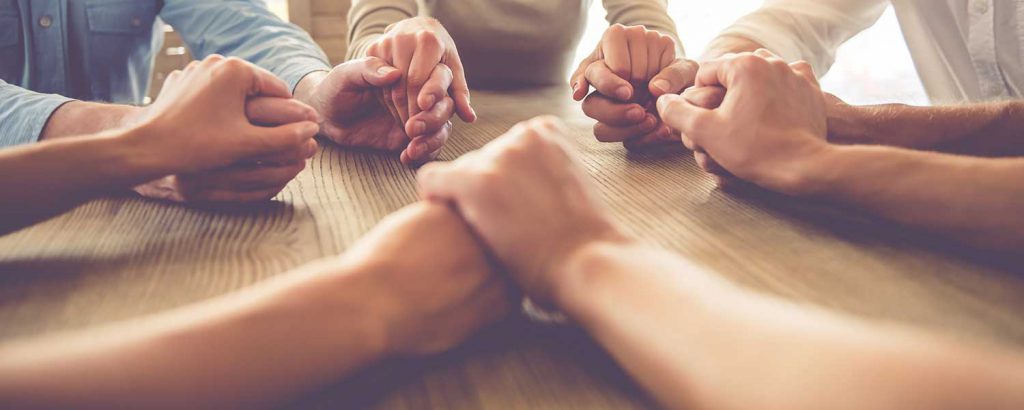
369,19
24,113
809,30
246,29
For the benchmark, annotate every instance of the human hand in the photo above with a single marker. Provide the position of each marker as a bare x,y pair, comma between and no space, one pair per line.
199,121
428,280
243,182
352,114
630,68
431,70
530,200
771,119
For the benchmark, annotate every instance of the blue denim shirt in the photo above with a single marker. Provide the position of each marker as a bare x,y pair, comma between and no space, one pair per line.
53,51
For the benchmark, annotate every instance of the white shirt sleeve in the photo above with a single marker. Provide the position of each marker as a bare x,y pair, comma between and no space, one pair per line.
809,30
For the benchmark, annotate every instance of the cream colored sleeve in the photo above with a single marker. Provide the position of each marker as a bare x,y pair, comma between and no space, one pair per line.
367,20
652,14
810,30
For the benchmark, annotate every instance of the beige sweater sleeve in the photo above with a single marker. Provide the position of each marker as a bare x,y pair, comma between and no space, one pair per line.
652,14
367,20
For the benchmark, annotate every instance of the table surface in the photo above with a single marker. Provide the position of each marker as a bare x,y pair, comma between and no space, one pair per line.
118,258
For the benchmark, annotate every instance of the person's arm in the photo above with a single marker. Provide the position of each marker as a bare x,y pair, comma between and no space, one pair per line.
369,19
696,341
985,129
27,116
246,29
976,200
46,179
266,344
652,14
250,349
809,30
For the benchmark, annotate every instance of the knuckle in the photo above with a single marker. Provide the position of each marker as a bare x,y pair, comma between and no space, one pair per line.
748,63
427,37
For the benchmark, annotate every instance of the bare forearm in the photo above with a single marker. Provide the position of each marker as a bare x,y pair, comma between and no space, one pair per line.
975,200
79,118
255,348
45,179
690,338
987,129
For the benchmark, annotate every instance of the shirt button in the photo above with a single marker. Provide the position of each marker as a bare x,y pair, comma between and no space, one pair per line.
45,21
981,6
136,22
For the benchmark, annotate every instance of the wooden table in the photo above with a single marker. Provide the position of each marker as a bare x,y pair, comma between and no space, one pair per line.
123,257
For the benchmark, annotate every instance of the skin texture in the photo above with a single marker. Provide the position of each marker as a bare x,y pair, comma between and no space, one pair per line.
354,114
257,179
199,126
630,68
272,341
771,130
413,110
687,336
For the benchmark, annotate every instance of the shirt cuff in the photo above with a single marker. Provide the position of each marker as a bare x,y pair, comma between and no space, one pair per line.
23,117
298,69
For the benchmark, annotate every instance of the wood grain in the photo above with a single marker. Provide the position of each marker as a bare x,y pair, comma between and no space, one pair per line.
118,258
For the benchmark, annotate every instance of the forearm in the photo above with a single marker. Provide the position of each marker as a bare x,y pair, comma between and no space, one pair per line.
369,19
42,180
987,129
254,348
975,200
78,118
690,338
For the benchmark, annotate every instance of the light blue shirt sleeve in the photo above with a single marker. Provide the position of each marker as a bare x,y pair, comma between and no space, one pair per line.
24,113
246,29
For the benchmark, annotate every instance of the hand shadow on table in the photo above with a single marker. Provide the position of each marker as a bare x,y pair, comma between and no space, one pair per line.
527,344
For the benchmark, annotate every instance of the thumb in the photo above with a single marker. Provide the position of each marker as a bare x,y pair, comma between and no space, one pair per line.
367,72
675,78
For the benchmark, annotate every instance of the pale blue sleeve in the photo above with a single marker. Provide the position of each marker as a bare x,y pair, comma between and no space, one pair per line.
246,29
24,113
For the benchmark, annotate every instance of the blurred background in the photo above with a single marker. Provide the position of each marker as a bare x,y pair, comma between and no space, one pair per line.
874,67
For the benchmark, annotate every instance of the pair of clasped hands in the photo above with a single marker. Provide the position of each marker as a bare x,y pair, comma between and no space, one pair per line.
630,69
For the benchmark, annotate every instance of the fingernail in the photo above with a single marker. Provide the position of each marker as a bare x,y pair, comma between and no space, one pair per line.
310,128
662,85
622,93
419,128
649,122
635,114
385,70
414,150
430,101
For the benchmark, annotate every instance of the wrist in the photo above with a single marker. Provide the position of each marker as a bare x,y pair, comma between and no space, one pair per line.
852,124
584,267
305,89
144,155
